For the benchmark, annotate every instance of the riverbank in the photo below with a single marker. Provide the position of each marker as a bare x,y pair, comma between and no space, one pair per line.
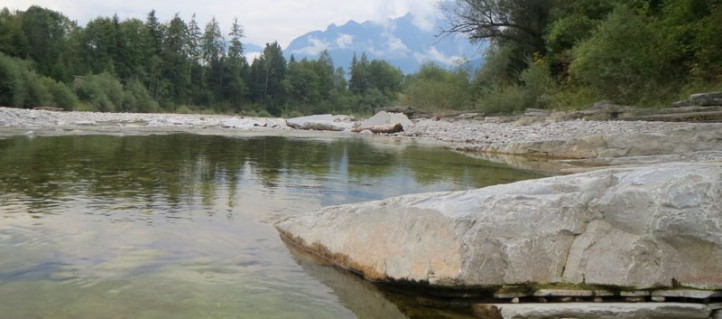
550,144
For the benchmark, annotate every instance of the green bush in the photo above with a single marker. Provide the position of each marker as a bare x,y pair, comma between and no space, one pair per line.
102,90
503,99
496,68
574,98
538,85
33,91
537,89
622,58
183,109
434,87
20,86
61,95
137,99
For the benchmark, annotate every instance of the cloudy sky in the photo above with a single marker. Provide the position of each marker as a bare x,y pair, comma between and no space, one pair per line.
264,20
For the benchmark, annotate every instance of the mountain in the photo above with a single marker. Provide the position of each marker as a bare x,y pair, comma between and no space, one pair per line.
398,41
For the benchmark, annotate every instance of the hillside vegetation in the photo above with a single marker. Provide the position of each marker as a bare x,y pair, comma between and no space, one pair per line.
175,66
571,53
555,54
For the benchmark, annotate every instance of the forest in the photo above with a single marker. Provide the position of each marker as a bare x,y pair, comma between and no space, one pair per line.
551,54
109,65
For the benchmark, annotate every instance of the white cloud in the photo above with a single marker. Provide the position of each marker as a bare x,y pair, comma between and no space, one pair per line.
344,41
433,55
250,56
316,46
396,46
425,12
264,21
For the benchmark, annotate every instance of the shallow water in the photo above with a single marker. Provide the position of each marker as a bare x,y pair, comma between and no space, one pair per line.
180,226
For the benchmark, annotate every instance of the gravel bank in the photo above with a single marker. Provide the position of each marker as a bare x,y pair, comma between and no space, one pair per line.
474,132
603,142
461,132
40,119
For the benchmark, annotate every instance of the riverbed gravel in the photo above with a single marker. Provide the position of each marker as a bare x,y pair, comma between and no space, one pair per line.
489,131
479,132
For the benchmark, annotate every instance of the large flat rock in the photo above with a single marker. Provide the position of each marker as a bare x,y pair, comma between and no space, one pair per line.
648,227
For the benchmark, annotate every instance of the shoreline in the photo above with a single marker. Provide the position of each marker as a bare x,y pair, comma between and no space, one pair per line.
545,145
534,143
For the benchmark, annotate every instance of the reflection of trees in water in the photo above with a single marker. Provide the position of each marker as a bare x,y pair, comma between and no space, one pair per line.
182,167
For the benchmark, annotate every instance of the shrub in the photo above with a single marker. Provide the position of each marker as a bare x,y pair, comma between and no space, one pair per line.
183,109
621,60
503,99
575,98
137,98
538,85
61,95
102,90
20,86
435,87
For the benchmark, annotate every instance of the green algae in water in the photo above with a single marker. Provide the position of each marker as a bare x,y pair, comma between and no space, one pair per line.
180,226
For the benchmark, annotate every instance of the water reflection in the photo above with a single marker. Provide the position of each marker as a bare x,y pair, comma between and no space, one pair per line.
178,225
178,168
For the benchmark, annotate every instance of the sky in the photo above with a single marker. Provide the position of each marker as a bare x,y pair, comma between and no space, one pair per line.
264,21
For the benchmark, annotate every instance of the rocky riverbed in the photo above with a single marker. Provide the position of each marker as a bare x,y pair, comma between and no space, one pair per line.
549,143
641,232
537,137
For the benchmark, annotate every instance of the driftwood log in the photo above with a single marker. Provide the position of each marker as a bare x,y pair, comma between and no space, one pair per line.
381,129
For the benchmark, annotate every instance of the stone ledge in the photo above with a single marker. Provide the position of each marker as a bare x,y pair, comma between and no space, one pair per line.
687,293
593,310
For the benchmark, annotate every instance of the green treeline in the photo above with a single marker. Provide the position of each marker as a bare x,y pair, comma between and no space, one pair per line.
175,66
571,53
554,54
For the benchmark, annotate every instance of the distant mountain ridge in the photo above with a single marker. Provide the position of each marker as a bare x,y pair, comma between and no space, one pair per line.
399,41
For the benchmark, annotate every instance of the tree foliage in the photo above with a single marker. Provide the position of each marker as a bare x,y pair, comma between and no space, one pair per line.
545,52
435,87
148,65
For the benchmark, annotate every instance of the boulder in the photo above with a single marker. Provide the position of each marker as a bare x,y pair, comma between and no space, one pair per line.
637,228
384,122
325,122
604,111
705,99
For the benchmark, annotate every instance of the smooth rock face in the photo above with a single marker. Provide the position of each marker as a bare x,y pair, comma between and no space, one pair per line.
604,310
643,228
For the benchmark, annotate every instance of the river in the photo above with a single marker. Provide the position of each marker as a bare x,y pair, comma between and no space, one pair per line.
181,225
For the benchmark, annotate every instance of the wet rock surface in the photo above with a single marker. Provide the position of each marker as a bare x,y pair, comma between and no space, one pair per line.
650,227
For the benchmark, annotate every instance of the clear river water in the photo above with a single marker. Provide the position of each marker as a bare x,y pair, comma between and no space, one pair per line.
181,225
